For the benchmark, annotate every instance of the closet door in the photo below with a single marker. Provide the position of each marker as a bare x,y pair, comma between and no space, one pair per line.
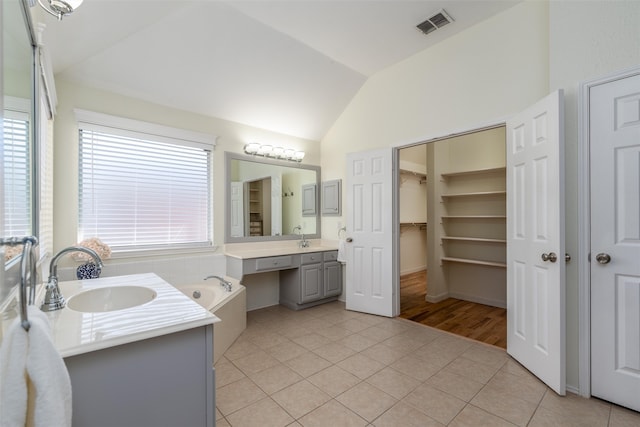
535,241
615,240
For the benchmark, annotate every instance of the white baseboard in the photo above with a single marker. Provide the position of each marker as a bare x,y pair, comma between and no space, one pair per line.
437,298
413,270
479,300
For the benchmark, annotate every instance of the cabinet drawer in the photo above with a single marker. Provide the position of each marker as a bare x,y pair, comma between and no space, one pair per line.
312,258
274,263
331,256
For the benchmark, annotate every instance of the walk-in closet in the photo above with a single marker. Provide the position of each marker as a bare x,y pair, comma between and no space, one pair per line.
452,197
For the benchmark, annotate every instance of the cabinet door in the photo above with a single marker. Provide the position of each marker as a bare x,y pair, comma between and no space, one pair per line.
332,279
309,200
310,282
331,198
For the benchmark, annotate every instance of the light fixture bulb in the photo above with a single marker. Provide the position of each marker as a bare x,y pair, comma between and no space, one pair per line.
256,149
265,150
60,8
251,148
277,152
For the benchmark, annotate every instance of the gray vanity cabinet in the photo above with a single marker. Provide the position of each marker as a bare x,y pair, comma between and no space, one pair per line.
332,274
316,281
311,286
162,381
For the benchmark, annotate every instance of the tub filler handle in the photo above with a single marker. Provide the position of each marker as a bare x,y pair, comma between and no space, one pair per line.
224,283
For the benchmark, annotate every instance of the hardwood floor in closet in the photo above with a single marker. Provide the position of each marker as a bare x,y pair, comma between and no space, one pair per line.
476,321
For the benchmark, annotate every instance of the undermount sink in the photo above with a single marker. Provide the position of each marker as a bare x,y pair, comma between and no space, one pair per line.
110,298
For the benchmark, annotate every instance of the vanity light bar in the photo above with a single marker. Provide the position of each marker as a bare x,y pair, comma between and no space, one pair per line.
266,150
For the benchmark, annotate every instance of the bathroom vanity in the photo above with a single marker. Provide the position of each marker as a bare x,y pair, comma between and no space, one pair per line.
147,365
317,280
162,381
308,276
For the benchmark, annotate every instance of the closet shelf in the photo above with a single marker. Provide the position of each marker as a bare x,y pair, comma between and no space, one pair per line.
411,225
475,262
474,239
476,194
474,217
474,172
421,176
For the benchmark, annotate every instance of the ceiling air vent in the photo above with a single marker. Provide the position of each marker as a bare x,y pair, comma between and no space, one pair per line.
434,22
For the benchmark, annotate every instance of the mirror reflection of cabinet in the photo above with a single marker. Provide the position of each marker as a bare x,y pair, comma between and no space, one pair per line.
309,200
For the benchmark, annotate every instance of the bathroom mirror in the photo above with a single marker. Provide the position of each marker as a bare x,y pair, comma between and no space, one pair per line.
18,116
264,199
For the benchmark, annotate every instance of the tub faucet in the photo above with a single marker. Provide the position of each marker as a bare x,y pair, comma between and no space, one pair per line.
224,283
53,299
303,243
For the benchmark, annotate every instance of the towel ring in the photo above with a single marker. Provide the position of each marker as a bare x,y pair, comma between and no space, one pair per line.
27,274
341,232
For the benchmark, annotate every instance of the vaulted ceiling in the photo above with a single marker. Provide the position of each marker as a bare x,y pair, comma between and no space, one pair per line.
286,66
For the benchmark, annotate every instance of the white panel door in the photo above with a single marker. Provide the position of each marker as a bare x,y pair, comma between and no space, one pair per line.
237,209
615,241
535,241
370,280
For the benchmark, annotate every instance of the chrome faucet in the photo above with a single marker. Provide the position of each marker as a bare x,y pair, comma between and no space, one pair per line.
53,299
303,243
227,285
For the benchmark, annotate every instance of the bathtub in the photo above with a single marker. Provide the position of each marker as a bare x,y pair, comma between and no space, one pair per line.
230,307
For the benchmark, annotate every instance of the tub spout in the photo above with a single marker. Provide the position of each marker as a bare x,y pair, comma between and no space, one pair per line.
224,283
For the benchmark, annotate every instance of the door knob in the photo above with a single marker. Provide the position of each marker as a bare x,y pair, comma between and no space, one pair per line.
603,258
551,257
349,240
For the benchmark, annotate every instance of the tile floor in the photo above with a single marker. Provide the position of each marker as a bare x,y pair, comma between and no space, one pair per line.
326,366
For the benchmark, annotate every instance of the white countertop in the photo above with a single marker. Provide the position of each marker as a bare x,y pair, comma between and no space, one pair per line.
171,311
277,248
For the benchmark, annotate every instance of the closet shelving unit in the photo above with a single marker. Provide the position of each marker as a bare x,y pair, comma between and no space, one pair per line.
474,219
421,176
255,208
419,224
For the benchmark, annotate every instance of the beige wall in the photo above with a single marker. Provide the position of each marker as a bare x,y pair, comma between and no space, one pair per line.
465,81
231,137
485,74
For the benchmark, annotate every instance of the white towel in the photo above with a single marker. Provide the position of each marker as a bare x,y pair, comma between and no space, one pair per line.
35,389
342,251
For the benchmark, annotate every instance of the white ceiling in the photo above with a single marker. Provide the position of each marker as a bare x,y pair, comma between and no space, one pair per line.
286,66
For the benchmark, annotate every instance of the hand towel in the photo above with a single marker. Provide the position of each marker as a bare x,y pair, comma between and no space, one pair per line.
342,251
13,376
38,390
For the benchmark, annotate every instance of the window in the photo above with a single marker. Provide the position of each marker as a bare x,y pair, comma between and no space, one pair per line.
16,155
141,190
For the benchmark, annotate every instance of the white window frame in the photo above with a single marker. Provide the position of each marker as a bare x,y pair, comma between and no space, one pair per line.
125,127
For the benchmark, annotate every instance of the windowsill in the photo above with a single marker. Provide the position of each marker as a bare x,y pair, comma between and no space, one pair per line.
149,253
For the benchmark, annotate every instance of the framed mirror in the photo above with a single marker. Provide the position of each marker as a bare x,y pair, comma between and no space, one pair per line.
18,118
266,199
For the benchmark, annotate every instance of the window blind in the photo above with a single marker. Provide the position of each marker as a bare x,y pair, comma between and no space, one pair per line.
140,191
16,153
